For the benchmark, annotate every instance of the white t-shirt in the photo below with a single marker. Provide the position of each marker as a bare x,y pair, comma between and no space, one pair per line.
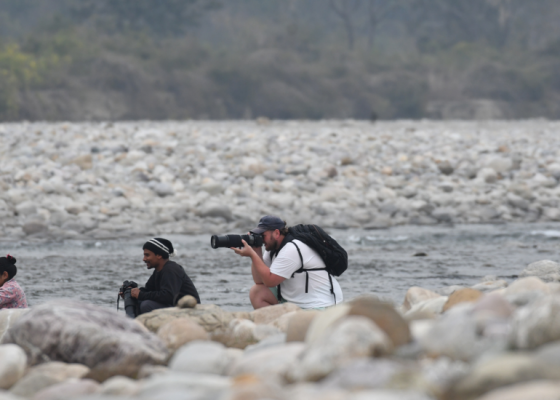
293,289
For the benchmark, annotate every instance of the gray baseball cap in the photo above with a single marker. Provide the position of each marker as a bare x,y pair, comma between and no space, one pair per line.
269,223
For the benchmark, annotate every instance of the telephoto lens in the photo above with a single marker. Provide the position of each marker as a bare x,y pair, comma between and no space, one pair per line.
217,241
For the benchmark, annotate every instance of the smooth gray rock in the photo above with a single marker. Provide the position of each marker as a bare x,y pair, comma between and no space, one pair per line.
34,227
107,342
222,211
13,363
537,323
8,317
546,270
541,390
459,335
163,189
352,337
367,373
201,357
269,363
68,390
181,385
502,370
490,286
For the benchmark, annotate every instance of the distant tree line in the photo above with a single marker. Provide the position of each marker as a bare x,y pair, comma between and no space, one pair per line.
130,59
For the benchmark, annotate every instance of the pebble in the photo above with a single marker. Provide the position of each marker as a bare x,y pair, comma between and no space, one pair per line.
203,173
187,301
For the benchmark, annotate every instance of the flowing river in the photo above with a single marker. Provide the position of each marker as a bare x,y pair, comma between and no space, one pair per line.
381,262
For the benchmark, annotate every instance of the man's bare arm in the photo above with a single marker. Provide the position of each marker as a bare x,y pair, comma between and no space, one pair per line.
256,277
268,278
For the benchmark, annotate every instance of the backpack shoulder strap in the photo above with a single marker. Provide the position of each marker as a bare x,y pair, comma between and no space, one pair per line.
300,257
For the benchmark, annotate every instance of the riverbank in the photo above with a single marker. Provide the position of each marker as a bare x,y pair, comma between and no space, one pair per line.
492,341
102,181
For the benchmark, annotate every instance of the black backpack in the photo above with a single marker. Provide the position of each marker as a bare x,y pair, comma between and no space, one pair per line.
332,254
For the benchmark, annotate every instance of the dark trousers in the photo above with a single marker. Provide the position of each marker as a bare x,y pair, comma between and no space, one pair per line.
149,305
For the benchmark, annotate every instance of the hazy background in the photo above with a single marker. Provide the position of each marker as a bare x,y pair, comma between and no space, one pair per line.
284,59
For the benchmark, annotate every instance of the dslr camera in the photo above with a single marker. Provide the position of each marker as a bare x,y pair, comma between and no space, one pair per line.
131,306
252,239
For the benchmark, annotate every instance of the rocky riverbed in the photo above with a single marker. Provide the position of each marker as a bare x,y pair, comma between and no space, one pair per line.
73,181
492,341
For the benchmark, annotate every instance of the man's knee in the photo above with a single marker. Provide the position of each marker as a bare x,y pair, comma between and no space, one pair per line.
149,305
261,296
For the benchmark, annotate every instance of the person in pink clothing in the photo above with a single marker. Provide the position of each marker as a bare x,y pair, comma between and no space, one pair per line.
11,294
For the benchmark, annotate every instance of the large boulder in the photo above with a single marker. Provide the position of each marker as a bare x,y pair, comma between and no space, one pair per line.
180,331
203,357
46,375
209,316
13,363
8,317
503,370
352,337
429,308
537,323
323,323
299,324
541,390
267,315
369,373
384,316
527,284
107,342
269,363
415,295
464,334
68,390
182,385
548,271
466,295
241,333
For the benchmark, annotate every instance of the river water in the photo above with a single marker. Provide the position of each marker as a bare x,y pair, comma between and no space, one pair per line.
381,262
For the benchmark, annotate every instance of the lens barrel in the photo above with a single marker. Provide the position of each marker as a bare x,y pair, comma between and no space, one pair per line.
217,241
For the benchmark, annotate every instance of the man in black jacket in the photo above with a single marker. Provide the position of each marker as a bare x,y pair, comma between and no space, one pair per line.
168,283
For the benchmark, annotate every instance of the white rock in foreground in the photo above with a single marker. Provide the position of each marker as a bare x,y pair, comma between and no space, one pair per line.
352,337
13,362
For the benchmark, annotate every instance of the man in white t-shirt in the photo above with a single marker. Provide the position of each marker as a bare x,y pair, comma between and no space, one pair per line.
278,266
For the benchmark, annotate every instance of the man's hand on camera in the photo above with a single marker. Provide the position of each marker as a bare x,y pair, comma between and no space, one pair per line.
134,292
254,247
246,251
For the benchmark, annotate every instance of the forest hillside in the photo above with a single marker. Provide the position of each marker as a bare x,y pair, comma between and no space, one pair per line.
282,59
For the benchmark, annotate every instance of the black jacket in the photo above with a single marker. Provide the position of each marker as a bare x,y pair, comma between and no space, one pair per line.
168,286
